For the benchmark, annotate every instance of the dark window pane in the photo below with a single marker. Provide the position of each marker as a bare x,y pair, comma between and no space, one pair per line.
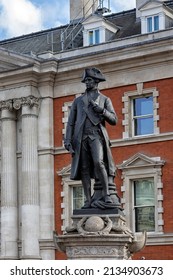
143,106
97,36
156,23
91,38
149,24
78,197
145,219
144,192
144,126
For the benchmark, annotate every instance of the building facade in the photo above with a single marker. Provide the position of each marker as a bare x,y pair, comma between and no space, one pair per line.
40,75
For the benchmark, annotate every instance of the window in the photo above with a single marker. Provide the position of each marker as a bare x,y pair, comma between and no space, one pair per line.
140,112
94,37
152,23
144,204
78,197
142,196
143,116
72,196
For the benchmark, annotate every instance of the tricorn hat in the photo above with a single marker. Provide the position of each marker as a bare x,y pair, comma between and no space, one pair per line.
93,73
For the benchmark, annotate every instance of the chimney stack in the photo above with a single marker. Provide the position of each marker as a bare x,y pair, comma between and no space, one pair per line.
82,8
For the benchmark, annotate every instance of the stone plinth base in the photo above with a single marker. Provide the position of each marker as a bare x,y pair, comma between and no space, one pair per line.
95,247
101,237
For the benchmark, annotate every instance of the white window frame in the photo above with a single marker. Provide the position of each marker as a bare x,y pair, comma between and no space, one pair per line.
133,118
127,110
152,24
66,110
139,167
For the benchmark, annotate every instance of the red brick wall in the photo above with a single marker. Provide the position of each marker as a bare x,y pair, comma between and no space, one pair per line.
158,149
161,252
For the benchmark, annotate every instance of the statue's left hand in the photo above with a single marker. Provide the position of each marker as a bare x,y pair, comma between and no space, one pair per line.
96,107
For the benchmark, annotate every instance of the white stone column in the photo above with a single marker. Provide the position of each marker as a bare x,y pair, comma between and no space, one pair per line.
30,187
9,210
46,177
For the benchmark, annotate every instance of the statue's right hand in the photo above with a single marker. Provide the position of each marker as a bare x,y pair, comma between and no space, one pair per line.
68,147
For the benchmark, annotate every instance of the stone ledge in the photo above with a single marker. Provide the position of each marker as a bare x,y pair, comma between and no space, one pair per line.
156,239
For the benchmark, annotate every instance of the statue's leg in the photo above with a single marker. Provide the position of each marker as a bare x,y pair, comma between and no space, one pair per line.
97,152
85,174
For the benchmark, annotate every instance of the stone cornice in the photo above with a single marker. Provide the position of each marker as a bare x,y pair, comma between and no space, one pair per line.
19,92
31,74
116,51
123,64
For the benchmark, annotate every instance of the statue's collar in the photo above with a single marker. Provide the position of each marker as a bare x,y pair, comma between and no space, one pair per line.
94,95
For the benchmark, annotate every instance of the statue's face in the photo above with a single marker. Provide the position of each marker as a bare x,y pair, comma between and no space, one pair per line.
90,83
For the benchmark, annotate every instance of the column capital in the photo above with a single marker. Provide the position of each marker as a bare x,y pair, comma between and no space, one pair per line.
30,105
30,101
6,105
7,112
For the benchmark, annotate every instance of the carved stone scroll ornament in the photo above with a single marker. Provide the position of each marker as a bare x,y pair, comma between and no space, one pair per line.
17,103
96,225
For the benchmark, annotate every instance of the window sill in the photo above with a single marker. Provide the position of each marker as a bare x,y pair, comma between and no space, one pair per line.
142,139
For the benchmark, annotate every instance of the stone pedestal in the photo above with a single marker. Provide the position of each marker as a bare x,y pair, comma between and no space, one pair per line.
92,247
99,236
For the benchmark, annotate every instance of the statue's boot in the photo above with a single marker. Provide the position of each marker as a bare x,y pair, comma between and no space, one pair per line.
103,178
107,199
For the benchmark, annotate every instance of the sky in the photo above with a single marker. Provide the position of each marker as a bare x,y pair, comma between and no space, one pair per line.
20,17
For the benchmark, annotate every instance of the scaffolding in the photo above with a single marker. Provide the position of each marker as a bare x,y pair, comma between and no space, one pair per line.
102,6
73,32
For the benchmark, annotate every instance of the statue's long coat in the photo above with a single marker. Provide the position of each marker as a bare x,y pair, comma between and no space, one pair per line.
75,126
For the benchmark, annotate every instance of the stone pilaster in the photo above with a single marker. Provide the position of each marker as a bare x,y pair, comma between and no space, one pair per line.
30,187
9,212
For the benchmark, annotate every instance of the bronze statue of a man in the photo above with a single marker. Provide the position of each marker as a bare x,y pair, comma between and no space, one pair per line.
87,139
